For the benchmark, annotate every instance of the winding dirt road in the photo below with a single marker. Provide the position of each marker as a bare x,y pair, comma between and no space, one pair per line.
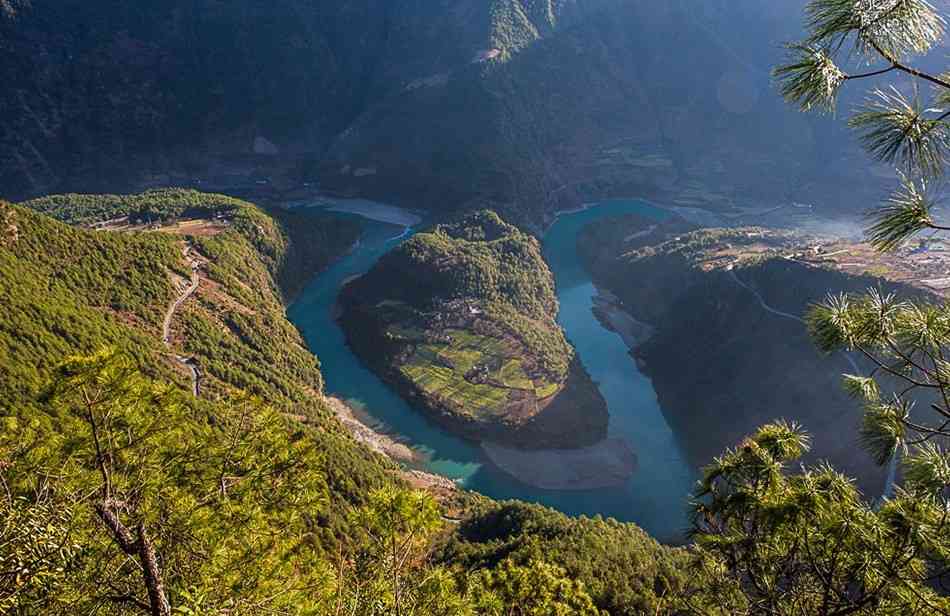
786,315
762,303
188,362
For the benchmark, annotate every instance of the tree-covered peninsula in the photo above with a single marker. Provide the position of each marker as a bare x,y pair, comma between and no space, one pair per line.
462,319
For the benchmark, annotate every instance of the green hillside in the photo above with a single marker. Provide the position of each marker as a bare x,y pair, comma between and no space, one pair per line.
73,291
248,501
69,292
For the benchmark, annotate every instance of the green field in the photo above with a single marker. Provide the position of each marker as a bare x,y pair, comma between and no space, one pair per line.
511,374
547,390
439,369
474,400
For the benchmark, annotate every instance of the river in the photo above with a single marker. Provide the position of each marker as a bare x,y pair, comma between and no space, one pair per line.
656,496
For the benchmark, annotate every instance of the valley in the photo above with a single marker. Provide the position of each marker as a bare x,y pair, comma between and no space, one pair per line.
635,474
640,467
684,277
474,308
232,323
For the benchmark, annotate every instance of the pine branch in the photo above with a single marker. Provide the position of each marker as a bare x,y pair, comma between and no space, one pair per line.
906,213
906,27
811,79
897,130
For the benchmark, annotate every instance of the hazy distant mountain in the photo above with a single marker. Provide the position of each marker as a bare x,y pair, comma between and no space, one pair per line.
525,105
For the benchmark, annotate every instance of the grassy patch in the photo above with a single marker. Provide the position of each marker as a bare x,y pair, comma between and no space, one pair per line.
547,390
439,369
511,374
472,399
403,332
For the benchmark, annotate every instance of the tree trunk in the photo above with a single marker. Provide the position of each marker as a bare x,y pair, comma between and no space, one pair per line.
142,548
153,575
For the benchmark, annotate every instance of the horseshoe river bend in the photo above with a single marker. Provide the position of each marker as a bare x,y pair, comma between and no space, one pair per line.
655,497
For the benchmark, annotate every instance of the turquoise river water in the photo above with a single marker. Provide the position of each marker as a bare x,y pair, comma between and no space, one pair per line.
656,496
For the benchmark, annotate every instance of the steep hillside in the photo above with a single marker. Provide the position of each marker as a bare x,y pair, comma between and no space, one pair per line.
105,94
69,291
729,350
462,319
247,505
646,98
103,288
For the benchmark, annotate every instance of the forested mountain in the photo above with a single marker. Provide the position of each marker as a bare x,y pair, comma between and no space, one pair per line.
107,91
641,98
522,106
749,359
69,293
167,443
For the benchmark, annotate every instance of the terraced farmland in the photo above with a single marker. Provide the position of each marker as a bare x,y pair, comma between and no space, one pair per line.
475,374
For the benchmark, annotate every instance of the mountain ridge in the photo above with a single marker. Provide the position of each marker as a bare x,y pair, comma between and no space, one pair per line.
523,107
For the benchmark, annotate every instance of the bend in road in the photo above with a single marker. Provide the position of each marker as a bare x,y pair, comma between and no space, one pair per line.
188,362
891,479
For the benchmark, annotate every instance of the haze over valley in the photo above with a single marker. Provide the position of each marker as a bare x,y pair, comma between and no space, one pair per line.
474,307
459,105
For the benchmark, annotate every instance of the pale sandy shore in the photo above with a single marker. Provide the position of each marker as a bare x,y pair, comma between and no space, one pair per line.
374,211
607,464
609,311
376,441
441,487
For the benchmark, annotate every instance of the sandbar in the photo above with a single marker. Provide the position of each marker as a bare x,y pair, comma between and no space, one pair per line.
609,463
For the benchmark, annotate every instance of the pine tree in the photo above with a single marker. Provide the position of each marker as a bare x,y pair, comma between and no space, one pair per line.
905,340
771,542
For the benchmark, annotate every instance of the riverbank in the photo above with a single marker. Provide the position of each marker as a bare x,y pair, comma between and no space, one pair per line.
609,310
367,436
439,486
379,212
608,464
